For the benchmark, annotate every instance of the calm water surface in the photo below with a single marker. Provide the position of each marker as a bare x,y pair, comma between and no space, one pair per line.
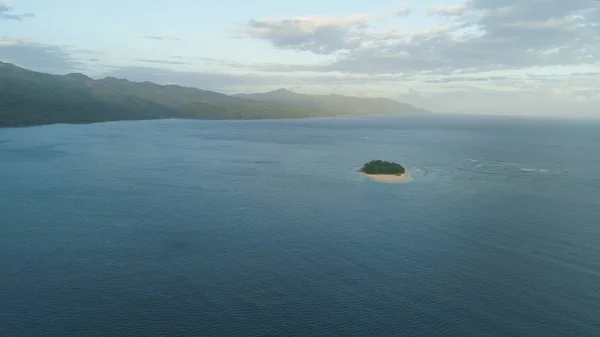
264,228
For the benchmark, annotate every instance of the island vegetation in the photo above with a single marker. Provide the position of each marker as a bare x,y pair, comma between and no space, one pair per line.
382,167
384,171
33,98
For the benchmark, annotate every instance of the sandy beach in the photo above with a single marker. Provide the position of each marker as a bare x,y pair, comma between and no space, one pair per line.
388,178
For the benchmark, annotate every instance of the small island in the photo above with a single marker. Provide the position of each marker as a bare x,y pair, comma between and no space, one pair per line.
384,171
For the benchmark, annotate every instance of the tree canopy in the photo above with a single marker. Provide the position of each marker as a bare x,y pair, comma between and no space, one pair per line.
382,167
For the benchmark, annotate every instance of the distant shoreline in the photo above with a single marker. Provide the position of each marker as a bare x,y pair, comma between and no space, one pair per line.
388,178
7,126
79,99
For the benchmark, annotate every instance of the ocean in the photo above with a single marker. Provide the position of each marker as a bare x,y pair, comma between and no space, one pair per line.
265,228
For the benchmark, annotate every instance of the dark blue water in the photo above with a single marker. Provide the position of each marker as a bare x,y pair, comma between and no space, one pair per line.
264,228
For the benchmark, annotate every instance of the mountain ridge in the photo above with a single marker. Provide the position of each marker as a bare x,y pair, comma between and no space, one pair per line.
336,103
34,98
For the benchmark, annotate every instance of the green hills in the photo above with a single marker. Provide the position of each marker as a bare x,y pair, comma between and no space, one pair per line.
33,98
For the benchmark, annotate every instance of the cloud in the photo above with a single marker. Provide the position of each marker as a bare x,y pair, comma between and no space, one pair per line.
163,61
564,95
450,10
161,38
481,35
7,13
471,99
318,34
81,51
181,59
237,81
203,80
37,56
404,11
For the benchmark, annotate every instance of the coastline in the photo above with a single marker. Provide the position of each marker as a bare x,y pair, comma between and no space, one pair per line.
388,178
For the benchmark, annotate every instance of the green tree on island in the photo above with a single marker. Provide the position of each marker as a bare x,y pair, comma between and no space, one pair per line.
382,167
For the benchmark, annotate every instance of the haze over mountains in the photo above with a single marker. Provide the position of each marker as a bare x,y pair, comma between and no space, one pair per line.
33,98
335,104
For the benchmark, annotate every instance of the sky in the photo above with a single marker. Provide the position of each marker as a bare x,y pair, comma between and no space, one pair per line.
473,56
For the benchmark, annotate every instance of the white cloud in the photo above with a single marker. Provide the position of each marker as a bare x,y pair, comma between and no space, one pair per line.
7,13
318,34
37,56
161,38
405,10
482,35
8,42
447,10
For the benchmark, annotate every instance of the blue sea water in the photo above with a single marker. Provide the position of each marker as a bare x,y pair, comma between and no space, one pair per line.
264,228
